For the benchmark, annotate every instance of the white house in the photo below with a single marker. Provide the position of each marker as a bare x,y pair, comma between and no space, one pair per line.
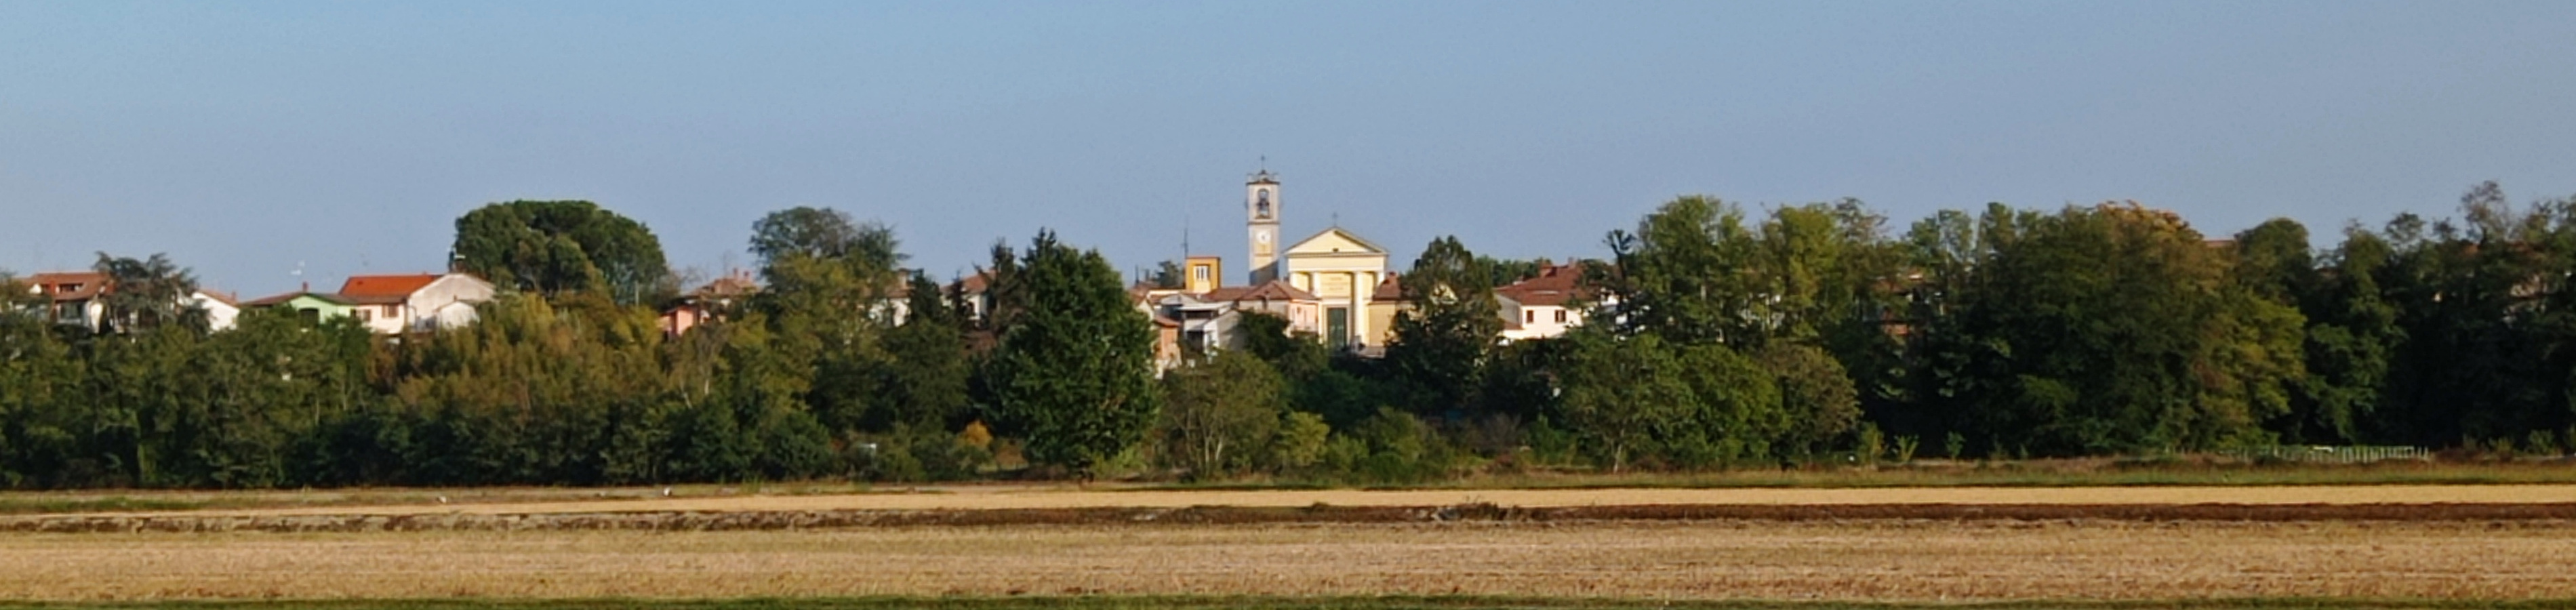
395,304
220,310
1543,306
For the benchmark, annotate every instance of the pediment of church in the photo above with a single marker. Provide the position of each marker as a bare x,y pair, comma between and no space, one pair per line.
1335,241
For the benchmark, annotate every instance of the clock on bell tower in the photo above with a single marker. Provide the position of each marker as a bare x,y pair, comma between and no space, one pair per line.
1261,213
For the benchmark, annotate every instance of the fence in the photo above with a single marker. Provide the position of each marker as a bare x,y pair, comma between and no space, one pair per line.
2328,455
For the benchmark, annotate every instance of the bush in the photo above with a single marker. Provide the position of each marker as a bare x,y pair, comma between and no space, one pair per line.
915,456
1301,441
1391,447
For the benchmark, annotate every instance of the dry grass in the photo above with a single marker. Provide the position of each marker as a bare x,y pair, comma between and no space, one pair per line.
1878,560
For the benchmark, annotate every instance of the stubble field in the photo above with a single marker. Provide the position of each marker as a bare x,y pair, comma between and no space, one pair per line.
1874,561
2493,543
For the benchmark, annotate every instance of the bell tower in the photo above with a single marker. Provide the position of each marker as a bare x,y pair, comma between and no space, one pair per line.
1261,220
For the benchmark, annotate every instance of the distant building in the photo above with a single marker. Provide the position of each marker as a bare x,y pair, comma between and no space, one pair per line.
313,306
418,302
75,298
714,301
221,310
1208,321
72,297
1544,305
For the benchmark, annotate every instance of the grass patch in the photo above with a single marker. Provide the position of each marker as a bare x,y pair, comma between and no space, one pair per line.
1301,603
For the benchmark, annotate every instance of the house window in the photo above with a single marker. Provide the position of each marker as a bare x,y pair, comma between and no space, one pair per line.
1560,316
393,311
364,314
63,288
1199,273
1529,317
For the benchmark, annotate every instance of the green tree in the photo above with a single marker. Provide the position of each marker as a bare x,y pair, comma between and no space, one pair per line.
1687,274
559,247
2103,329
1220,414
257,395
1448,331
1073,371
41,431
830,283
148,293
1816,396
926,372
532,392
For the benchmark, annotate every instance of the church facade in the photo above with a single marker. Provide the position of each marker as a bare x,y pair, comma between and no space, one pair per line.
1333,284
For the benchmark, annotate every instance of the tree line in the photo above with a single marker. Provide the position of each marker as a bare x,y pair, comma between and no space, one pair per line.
1716,336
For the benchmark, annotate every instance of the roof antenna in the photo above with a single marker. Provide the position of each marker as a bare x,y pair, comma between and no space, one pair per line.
300,284
1185,235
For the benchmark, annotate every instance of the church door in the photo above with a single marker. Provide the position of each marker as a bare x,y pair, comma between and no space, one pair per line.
1337,327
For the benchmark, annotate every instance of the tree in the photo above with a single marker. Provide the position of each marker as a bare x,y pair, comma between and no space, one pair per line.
1623,398
2097,330
925,373
829,287
1220,414
1688,274
1632,398
1505,271
41,430
146,294
1074,368
259,394
559,247
532,392
1816,394
1445,336
1168,275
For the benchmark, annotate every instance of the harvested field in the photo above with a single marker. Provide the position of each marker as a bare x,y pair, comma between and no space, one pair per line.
1887,560
1230,515
1046,498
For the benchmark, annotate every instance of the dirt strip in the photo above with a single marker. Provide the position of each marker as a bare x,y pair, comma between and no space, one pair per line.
1235,515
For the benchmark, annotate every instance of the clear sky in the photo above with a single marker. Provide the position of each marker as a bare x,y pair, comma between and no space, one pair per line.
246,138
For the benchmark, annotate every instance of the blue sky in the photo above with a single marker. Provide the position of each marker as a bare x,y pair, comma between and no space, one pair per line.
246,138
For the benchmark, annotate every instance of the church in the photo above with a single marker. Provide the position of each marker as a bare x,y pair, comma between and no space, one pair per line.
1332,285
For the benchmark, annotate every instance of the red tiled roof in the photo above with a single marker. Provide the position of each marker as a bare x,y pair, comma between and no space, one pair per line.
372,287
728,286
86,284
1388,290
1554,285
975,284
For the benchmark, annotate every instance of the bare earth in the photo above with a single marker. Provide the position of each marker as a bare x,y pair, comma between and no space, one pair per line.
998,497
1885,560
